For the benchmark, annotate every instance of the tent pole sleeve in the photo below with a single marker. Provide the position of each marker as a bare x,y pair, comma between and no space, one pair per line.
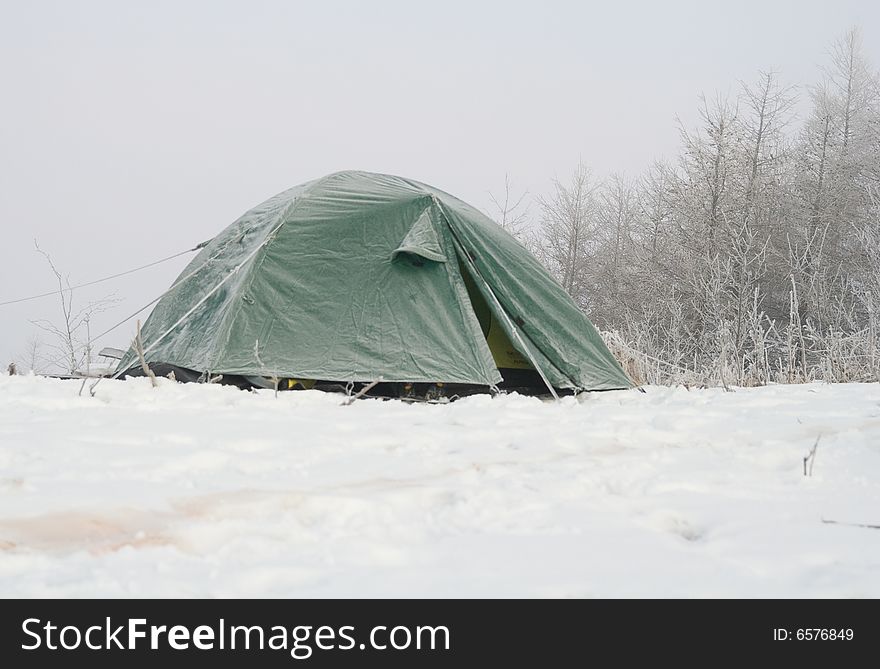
525,347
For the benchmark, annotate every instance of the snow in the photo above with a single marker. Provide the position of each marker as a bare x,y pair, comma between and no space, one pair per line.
195,490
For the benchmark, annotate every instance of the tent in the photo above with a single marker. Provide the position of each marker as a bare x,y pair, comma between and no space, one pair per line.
359,276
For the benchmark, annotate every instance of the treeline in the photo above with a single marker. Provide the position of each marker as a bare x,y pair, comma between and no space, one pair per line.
754,256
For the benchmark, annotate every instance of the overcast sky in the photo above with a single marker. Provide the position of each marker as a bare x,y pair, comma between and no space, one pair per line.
130,131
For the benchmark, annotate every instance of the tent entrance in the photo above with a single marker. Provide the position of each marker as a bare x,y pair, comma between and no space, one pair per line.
513,365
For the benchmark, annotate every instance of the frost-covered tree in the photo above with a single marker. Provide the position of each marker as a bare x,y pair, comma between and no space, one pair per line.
617,214
511,211
838,159
753,257
568,232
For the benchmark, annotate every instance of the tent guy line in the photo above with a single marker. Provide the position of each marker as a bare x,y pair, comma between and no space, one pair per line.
159,297
204,298
103,279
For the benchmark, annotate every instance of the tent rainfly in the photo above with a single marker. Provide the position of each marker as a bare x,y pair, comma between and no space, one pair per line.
356,277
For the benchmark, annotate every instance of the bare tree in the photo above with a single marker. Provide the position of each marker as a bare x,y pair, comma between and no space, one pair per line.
71,338
705,190
30,359
568,232
617,213
511,212
753,257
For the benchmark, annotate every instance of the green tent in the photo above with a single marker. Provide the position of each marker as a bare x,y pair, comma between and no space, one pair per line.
357,276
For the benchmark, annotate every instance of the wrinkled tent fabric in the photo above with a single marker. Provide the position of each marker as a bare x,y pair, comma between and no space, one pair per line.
357,276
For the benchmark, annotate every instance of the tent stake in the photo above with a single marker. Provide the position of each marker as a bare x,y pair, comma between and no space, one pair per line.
363,391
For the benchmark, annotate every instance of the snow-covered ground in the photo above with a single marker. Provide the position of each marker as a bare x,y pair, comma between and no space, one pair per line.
193,490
